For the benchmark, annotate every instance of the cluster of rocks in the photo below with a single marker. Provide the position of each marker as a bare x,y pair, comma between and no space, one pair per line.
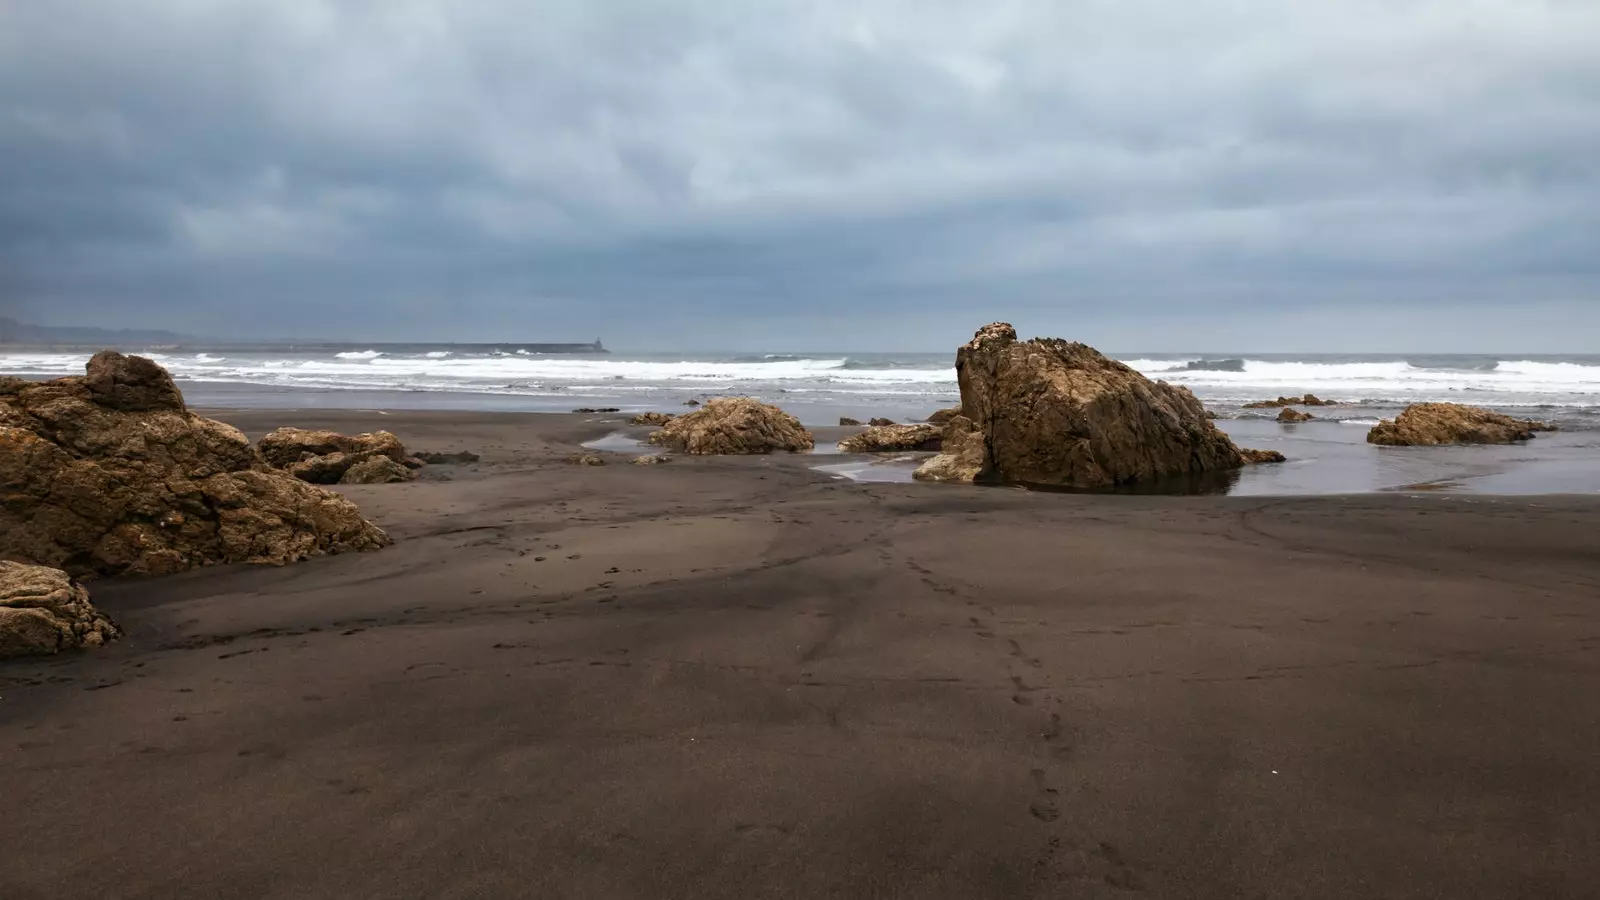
109,473
734,425
327,457
881,438
1307,400
1053,412
1433,424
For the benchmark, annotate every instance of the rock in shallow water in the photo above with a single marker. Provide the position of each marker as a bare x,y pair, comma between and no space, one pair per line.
1294,416
734,425
884,438
1053,412
43,611
1432,424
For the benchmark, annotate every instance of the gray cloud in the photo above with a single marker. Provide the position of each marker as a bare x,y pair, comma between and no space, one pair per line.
1137,173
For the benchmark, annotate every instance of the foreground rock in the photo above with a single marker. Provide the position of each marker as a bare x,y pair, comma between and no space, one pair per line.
1053,412
1291,416
1432,424
326,457
43,611
1307,400
734,425
943,416
652,418
893,437
111,474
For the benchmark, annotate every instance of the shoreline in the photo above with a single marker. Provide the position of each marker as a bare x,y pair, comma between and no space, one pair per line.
737,677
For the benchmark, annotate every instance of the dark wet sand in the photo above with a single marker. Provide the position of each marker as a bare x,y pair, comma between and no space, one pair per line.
738,678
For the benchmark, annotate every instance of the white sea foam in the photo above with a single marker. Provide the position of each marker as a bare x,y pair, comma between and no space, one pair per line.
359,354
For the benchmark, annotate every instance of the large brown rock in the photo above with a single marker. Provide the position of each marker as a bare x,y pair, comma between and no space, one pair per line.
324,457
377,470
882,438
113,475
1291,416
731,425
43,611
942,417
1431,424
1054,412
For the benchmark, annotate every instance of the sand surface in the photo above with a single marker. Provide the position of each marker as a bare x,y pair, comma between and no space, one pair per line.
737,678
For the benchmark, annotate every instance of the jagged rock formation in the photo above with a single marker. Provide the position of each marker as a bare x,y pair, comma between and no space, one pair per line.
652,418
734,425
1059,413
43,611
1431,424
326,457
110,473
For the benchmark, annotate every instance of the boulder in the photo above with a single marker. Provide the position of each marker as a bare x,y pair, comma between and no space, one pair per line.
943,416
43,611
377,470
893,437
323,457
460,457
879,422
651,459
1431,424
734,425
585,459
962,454
652,418
1255,457
691,402
113,475
1053,412
1291,416
848,422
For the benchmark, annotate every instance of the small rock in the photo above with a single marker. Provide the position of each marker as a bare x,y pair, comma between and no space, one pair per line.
880,422
848,422
651,459
43,611
652,418
585,459
596,409
459,457
1291,416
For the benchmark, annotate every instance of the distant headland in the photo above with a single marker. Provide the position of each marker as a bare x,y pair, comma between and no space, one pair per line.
14,332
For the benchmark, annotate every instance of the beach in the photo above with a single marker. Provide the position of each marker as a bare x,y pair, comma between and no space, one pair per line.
745,677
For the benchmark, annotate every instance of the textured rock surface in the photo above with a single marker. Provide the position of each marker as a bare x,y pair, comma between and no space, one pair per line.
734,425
324,457
111,474
879,422
963,454
1253,457
585,459
651,459
848,422
43,611
1431,424
377,470
652,418
893,437
1060,413
943,416
1291,416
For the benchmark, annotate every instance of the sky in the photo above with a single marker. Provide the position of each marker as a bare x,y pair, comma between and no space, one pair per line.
1339,175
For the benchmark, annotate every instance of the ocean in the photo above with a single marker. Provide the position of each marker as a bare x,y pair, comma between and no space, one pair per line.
817,385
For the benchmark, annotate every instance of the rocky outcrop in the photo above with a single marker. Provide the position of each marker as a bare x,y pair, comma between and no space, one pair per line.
1307,400
460,457
111,474
879,422
847,422
893,437
652,418
325,457
1291,416
943,416
1254,457
1053,412
963,454
1431,424
734,425
43,611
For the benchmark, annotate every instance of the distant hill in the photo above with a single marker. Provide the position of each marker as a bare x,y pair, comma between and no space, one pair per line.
14,332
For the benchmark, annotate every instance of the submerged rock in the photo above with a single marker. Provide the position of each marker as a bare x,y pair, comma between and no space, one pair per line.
1431,424
943,416
893,437
1291,416
1055,412
734,425
43,611
848,422
111,474
963,454
652,418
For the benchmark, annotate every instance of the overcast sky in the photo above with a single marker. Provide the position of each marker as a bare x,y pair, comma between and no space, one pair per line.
1141,174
